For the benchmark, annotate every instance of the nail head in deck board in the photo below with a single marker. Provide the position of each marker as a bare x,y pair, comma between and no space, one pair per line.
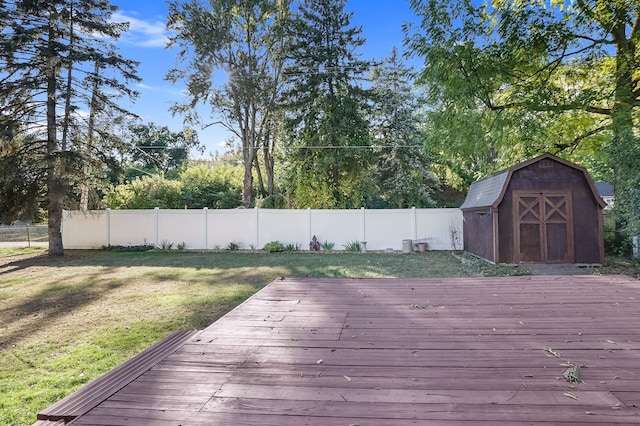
406,366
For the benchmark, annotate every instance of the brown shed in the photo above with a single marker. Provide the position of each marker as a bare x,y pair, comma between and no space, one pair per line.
545,210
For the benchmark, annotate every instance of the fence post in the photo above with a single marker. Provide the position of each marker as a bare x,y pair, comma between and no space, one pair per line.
28,237
108,227
309,235
206,227
257,210
363,227
414,223
156,210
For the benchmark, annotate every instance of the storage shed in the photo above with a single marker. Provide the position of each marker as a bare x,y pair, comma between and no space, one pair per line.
545,210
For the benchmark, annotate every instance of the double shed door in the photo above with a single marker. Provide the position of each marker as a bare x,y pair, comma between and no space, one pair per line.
543,227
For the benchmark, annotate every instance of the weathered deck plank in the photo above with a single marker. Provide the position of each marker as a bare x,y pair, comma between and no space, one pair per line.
402,352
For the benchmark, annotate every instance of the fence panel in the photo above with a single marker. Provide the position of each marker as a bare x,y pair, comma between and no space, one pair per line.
85,230
441,229
17,235
336,226
133,227
387,228
253,228
286,226
237,226
182,227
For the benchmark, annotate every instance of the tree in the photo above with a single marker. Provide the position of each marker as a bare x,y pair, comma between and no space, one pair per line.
146,192
41,38
20,182
329,145
404,171
217,187
157,149
242,39
569,69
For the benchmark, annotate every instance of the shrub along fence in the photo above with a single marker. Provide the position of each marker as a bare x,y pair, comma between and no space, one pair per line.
385,229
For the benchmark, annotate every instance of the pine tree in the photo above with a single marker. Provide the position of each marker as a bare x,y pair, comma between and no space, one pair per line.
49,51
328,149
403,173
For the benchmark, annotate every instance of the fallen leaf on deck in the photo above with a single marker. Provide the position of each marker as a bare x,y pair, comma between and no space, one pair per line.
570,395
347,378
551,352
320,361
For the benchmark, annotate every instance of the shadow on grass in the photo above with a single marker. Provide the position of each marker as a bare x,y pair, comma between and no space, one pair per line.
300,264
256,270
49,304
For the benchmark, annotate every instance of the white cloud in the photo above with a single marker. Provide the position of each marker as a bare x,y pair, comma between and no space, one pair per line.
169,90
141,32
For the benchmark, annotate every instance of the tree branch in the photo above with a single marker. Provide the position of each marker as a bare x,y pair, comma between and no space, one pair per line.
574,144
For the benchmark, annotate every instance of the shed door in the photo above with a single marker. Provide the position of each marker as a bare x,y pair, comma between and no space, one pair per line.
543,227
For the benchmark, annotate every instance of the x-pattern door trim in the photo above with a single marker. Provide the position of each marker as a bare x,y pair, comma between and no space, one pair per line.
543,208
533,208
552,208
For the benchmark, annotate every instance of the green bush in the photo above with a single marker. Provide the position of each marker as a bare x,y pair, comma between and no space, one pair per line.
353,246
274,247
617,244
218,187
275,201
166,245
327,246
145,193
292,247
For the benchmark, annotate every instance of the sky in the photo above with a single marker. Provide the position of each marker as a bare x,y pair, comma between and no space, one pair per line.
145,42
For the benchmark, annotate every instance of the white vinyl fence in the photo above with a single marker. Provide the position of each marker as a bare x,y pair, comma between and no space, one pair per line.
441,229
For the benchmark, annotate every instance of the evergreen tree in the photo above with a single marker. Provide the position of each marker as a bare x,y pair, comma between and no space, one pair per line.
403,173
328,147
41,40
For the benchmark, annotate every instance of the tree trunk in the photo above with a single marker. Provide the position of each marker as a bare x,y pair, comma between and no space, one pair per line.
267,154
269,167
248,156
67,104
54,192
84,194
256,165
247,184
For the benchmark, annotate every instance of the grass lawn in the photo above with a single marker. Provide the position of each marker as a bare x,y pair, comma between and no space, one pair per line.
65,321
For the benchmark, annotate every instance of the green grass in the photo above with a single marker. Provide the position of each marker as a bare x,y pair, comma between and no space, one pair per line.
65,321
13,251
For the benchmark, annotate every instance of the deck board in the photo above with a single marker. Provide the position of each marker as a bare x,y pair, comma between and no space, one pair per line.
402,352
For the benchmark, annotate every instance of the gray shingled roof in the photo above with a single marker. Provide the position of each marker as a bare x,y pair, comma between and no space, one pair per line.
485,192
604,189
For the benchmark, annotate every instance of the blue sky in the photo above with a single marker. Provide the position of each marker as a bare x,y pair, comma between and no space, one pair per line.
381,22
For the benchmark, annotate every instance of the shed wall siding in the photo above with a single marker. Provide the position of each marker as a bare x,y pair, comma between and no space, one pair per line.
548,175
479,224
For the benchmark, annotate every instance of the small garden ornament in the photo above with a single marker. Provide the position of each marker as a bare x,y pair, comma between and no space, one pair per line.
314,245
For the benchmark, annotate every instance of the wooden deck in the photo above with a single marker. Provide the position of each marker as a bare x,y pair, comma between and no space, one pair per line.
401,352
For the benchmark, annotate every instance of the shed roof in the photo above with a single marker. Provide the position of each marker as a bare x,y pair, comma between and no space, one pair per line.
605,189
488,192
